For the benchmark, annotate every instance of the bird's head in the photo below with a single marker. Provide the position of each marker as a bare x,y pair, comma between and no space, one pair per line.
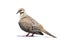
21,11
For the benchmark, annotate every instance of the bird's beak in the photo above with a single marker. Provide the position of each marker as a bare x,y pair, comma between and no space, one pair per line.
17,12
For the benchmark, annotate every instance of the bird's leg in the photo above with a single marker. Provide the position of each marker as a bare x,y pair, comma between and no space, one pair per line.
27,34
32,34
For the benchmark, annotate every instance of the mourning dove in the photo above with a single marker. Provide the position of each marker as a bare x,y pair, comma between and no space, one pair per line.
28,24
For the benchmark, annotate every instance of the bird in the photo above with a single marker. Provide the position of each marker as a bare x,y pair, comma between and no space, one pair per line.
29,25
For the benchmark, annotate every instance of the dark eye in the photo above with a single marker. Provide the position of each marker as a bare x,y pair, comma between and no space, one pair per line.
20,10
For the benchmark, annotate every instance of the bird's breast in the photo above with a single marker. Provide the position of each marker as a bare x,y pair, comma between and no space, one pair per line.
26,20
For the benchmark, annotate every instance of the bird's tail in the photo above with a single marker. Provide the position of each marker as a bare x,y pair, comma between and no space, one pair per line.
43,30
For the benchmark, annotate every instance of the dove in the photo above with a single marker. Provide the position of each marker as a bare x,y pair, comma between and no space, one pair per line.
29,25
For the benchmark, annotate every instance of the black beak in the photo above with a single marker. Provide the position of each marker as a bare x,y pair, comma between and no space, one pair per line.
17,12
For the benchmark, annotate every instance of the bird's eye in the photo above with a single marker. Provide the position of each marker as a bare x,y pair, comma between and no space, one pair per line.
20,10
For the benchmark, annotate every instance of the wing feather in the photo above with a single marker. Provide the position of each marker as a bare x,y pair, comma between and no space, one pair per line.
29,25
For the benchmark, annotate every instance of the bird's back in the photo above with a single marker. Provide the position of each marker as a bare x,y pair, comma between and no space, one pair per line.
29,25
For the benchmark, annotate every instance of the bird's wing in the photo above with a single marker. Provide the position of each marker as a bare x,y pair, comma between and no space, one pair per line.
29,28
34,22
31,23
35,25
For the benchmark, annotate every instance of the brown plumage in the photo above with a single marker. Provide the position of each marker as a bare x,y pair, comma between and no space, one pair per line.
29,25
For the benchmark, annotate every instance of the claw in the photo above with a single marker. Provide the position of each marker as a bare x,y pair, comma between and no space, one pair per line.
32,35
27,34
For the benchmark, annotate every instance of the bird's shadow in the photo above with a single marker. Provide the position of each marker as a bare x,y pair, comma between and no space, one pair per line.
30,36
25,36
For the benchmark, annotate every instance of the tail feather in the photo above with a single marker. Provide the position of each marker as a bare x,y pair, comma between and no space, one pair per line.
43,30
41,33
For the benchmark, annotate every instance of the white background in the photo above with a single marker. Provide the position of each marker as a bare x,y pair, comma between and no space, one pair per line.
46,12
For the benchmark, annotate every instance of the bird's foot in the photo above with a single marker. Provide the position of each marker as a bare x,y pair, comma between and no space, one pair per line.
32,35
28,34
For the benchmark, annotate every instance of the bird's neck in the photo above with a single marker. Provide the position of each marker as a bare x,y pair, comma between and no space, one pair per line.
23,15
